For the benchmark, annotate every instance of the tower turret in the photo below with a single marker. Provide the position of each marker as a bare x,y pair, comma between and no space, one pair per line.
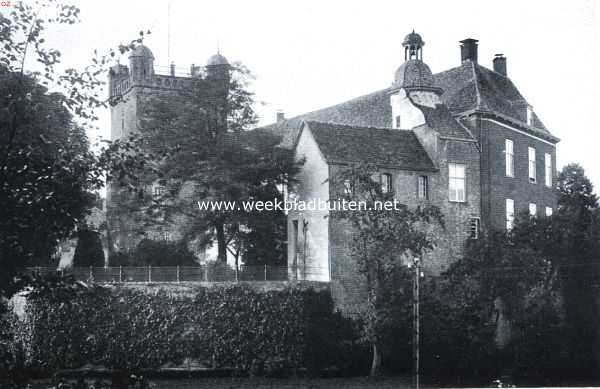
141,63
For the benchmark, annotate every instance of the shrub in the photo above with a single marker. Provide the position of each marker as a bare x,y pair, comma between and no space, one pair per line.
89,249
233,327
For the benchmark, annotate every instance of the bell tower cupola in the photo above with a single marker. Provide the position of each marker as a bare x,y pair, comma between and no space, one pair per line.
413,46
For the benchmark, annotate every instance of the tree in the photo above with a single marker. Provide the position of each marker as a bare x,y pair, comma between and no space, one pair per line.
383,241
576,228
204,152
88,251
47,171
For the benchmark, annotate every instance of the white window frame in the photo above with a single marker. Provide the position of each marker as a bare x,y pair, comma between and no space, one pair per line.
385,179
532,209
509,160
457,178
549,211
531,165
510,213
530,115
548,169
158,191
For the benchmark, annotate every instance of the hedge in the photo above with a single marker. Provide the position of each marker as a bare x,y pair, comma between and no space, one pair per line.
226,327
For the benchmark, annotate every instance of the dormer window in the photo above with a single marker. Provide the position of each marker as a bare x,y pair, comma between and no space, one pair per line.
529,115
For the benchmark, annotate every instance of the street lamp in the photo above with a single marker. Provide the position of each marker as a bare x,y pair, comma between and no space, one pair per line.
416,263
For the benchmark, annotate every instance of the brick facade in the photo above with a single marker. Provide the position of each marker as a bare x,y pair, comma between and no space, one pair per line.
461,116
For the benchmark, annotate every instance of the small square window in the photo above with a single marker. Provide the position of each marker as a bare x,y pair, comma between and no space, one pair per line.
159,191
532,209
347,187
474,227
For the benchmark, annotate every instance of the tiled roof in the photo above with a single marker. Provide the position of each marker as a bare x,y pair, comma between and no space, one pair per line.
472,87
380,146
440,118
370,110
469,87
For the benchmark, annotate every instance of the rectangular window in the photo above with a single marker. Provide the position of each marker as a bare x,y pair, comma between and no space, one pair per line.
548,169
347,187
532,175
398,122
548,211
529,115
159,191
510,213
532,209
509,158
474,225
456,182
386,182
423,191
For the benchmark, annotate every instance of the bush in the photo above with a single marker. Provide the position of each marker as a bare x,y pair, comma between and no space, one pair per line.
155,253
229,327
89,250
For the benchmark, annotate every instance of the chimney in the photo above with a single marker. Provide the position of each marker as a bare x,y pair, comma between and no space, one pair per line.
468,50
500,64
280,116
172,68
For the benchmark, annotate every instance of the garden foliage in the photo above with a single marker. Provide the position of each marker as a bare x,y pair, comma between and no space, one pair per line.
229,327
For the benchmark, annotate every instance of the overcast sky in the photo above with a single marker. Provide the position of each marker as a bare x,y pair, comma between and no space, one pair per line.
311,54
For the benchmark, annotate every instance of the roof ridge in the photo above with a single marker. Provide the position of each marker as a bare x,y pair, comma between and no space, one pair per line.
476,82
355,126
338,104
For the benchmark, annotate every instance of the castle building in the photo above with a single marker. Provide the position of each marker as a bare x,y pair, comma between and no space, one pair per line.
464,140
130,90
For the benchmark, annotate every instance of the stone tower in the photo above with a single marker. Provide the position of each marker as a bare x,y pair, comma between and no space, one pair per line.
129,89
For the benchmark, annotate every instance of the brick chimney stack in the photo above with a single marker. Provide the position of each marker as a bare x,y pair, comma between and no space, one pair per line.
500,64
280,116
468,50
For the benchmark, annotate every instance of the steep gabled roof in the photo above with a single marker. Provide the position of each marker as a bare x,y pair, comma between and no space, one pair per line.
467,88
383,147
472,87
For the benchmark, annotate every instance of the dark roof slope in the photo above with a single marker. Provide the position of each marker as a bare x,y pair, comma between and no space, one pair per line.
370,110
380,146
474,87
469,87
440,118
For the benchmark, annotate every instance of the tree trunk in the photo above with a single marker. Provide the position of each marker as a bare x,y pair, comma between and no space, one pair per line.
221,243
376,364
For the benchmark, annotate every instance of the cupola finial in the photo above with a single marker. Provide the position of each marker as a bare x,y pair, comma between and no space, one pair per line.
413,46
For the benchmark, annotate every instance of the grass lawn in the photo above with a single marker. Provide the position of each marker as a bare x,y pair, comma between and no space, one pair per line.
299,383
272,383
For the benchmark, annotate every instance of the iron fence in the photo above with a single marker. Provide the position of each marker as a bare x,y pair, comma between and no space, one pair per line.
211,273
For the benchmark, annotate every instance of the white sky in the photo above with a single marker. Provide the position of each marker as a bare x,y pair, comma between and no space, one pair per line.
311,54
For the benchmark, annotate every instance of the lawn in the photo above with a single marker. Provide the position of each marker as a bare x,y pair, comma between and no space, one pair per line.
272,383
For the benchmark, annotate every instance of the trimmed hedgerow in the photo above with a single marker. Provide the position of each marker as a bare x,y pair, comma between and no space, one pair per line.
229,327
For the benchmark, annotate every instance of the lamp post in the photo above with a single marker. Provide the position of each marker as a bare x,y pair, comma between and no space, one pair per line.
416,325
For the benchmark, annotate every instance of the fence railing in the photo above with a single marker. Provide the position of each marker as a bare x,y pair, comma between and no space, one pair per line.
146,274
